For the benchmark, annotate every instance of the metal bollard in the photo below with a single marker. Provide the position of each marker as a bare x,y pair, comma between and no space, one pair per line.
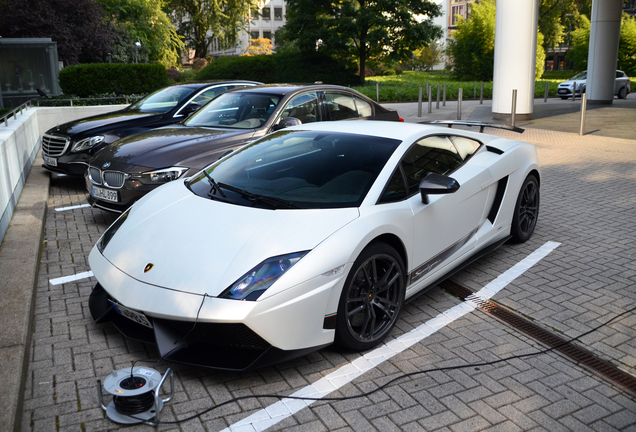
377,93
481,94
547,88
430,98
583,110
514,108
126,98
437,101
419,103
71,102
444,102
474,90
459,104
574,91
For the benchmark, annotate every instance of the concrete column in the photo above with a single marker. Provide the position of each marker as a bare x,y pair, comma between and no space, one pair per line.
515,57
602,58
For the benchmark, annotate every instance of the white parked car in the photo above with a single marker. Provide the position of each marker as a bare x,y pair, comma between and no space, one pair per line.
311,235
565,90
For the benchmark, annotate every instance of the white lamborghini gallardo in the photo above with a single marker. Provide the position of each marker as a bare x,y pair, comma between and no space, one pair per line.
312,235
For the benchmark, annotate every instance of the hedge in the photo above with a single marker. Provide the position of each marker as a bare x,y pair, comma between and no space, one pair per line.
288,67
99,78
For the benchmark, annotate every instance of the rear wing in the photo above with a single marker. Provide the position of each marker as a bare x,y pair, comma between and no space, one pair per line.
480,125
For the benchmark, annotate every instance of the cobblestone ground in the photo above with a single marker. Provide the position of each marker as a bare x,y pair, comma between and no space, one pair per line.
588,205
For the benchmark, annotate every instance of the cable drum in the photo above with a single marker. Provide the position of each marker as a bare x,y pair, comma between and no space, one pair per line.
135,394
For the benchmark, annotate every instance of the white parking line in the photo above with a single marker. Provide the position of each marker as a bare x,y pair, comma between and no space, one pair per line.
71,278
72,207
284,408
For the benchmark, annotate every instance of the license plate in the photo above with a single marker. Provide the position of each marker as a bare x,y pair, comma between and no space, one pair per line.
133,315
562,91
104,194
49,161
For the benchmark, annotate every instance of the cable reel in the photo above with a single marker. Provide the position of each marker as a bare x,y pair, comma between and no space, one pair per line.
135,394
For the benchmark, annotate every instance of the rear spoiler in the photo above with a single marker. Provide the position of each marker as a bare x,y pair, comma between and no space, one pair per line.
480,125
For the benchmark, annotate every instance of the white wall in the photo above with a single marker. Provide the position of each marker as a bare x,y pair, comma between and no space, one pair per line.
19,145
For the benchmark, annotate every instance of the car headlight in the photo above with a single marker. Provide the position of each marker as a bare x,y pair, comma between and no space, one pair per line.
163,175
110,232
87,143
252,284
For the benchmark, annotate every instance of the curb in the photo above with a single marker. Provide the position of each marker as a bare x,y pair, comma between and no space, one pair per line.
20,255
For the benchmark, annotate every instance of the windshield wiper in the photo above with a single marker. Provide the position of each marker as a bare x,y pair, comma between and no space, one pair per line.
215,185
271,201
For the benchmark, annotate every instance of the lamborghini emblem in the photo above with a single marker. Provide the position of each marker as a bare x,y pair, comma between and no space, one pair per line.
148,267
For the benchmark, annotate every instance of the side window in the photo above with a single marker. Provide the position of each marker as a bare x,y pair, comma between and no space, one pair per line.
364,107
465,146
340,106
395,189
209,94
434,154
304,107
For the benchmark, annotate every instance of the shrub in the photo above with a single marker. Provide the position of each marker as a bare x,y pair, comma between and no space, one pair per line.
199,63
286,67
173,74
98,78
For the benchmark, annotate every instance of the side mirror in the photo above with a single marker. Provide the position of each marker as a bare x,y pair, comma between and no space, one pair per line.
437,184
190,108
286,122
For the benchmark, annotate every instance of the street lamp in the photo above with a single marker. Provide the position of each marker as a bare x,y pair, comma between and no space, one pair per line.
137,46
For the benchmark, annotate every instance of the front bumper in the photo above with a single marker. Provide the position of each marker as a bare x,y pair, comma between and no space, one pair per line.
71,164
219,333
127,195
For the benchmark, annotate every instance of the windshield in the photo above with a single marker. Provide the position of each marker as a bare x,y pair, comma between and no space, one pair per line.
236,110
162,100
301,169
579,76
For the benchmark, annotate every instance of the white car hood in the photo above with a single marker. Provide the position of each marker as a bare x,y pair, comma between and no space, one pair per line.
199,246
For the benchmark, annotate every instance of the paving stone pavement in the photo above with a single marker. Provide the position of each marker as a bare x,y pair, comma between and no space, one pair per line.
587,204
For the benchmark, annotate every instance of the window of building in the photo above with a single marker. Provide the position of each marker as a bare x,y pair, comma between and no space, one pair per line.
278,13
267,35
254,35
267,13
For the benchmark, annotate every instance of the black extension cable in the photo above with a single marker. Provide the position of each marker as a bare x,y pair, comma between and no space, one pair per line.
411,374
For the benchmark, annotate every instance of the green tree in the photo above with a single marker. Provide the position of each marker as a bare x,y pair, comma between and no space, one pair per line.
77,26
143,20
471,48
361,29
200,21
626,48
426,57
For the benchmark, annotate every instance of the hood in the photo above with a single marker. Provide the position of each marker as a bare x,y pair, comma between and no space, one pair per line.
202,246
105,122
192,147
569,83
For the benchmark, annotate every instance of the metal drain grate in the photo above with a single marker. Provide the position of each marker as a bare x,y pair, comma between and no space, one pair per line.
571,350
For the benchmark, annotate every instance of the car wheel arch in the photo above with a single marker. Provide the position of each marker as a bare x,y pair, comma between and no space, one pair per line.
395,242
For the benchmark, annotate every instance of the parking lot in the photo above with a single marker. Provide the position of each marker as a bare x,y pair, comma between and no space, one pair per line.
588,209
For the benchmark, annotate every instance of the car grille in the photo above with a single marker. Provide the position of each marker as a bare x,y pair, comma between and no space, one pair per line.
114,179
55,145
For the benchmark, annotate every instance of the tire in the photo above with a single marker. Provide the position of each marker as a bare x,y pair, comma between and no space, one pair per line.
564,97
622,93
526,210
372,298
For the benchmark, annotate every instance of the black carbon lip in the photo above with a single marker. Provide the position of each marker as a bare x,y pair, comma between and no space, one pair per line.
579,355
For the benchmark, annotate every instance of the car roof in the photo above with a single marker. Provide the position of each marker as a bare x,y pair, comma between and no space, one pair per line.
283,89
384,129
197,85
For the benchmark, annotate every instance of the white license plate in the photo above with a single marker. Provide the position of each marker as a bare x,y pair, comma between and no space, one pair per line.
562,91
105,194
49,161
133,315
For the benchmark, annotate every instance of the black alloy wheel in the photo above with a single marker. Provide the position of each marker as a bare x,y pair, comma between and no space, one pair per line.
622,93
372,298
526,210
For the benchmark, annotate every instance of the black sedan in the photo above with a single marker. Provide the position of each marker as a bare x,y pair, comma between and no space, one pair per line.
66,148
126,170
